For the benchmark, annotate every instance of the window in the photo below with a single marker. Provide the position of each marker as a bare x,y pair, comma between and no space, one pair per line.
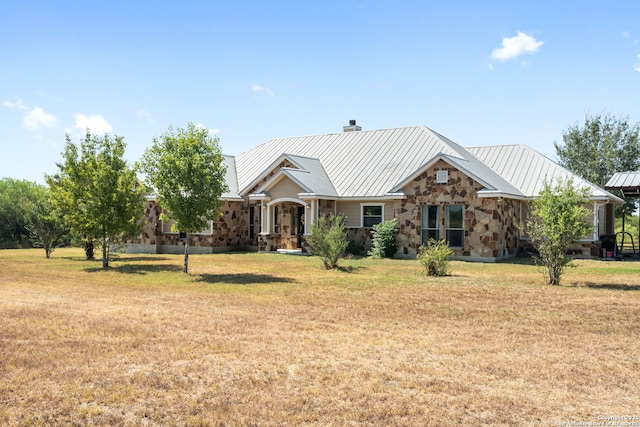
371,215
454,225
252,227
430,223
167,228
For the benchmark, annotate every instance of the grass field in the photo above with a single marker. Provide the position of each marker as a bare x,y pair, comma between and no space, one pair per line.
260,339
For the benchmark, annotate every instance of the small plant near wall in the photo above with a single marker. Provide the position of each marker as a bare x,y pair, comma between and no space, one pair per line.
383,244
435,257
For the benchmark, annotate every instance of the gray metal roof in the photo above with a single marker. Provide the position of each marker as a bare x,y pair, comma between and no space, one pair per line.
231,178
378,163
527,170
627,182
367,163
310,175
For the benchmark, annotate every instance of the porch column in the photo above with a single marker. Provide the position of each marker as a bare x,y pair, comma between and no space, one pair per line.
266,219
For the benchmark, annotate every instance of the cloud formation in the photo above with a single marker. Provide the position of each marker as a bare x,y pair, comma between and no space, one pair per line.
261,89
512,47
96,123
38,118
15,105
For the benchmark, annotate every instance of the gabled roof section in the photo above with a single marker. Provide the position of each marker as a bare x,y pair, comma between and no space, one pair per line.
310,175
230,178
357,164
494,185
527,170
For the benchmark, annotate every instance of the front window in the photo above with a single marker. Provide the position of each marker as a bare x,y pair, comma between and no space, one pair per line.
430,223
454,225
371,215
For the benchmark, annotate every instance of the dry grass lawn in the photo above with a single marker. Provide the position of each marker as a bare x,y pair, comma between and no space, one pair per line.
259,339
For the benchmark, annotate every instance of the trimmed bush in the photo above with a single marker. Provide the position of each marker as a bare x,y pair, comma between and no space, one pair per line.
435,257
383,243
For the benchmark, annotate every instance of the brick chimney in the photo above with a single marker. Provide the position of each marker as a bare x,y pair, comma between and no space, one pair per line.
352,127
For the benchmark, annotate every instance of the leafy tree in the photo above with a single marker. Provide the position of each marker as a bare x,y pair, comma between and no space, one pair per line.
328,240
435,257
558,219
17,201
97,191
383,244
600,147
186,169
47,227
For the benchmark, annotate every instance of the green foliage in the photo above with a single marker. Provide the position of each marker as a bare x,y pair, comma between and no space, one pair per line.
328,240
435,257
383,244
353,248
18,199
47,228
602,146
186,169
558,219
97,191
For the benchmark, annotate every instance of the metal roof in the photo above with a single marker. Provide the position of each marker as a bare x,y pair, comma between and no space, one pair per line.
627,182
378,163
367,163
527,170
231,178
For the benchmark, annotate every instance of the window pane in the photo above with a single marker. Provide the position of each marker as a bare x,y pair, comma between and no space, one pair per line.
433,217
370,221
455,238
455,216
430,234
372,210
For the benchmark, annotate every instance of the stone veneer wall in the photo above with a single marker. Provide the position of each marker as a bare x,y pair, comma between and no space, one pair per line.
490,225
230,232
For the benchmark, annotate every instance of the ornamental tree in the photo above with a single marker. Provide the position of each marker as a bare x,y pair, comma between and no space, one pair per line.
97,191
185,168
558,219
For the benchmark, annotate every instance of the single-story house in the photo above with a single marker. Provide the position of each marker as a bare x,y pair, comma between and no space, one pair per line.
473,197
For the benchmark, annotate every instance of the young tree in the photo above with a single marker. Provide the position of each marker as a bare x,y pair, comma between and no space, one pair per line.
186,169
97,191
602,146
383,243
46,227
328,240
558,219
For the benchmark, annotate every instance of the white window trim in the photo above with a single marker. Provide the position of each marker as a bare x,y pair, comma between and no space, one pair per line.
362,205
442,177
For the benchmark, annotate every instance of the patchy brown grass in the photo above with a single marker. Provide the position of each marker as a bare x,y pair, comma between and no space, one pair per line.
258,339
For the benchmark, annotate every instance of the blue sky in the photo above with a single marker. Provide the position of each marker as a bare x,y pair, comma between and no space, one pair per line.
478,72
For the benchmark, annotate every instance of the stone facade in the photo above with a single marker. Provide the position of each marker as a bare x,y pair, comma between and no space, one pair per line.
490,224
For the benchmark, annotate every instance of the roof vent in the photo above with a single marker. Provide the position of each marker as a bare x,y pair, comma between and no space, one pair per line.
352,127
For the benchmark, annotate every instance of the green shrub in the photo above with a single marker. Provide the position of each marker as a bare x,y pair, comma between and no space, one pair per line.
435,257
353,248
328,240
383,243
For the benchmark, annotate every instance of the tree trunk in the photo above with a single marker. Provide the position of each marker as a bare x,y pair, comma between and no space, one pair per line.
185,269
105,253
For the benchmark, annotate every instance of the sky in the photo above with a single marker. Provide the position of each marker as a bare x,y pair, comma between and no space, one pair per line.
477,72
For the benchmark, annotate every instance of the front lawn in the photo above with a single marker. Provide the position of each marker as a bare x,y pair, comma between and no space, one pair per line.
263,339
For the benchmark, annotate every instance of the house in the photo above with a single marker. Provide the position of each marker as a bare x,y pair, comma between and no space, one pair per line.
473,197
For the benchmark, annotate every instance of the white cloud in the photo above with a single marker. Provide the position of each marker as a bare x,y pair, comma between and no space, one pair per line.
38,118
258,89
15,105
637,65
515,46
212,131
96,123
